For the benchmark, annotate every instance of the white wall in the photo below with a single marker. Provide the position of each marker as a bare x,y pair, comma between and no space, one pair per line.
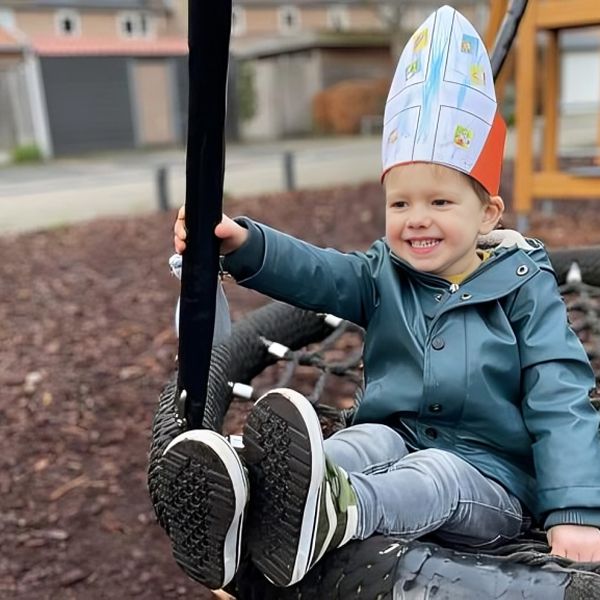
580,81
285,86
265,124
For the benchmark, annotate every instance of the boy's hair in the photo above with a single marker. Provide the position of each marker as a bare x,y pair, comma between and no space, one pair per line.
477,187
479,190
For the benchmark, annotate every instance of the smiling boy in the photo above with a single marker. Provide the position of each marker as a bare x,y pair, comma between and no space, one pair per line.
476,415
434,216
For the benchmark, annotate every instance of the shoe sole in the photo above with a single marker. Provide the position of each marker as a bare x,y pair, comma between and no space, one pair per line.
205,492
283,452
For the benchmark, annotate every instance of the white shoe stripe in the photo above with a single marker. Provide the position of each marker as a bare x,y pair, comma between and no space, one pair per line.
331,520
351,524
351,518
311,509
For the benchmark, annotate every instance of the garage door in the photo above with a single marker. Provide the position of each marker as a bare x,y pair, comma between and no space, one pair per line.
88,103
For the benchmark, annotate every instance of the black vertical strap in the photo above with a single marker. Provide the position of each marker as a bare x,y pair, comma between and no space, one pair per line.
208,37
506,35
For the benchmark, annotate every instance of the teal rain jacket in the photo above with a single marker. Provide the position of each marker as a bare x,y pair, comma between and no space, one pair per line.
489,370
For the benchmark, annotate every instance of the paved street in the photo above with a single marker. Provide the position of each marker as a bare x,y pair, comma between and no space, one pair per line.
76,189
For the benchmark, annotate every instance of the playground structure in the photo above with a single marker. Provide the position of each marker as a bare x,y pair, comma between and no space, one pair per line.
376,568
548,182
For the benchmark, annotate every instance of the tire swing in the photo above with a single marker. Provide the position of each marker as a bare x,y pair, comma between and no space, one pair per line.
210,371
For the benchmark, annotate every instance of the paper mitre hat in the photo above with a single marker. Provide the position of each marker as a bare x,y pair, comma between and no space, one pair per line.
442,104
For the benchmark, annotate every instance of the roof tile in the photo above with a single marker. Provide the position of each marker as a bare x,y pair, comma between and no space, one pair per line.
82,46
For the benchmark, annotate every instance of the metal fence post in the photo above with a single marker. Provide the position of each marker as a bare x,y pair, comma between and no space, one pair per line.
161,188
289,170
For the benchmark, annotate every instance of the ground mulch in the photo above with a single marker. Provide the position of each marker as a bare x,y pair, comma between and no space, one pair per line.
86,345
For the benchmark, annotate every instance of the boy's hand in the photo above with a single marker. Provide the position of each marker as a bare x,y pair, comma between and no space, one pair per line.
580,543
179,231
231,234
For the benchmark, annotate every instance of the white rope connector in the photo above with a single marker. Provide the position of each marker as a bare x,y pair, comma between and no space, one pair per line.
333,321
241,390
574,274
275,349
237,441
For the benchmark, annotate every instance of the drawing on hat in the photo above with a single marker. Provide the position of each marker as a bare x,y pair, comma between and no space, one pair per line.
463,137
413,68
421,40
478,75
442,104
469,44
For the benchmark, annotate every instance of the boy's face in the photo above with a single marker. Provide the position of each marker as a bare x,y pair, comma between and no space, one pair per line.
433,218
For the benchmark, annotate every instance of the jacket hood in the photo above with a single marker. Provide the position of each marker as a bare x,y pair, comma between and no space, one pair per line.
500,239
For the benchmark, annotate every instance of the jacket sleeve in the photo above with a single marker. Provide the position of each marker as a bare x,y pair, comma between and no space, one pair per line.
323,280
557,379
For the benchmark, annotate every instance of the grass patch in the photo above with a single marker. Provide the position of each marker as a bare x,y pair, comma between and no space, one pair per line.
27,153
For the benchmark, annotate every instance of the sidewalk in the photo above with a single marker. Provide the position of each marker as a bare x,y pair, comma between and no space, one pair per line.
118,184
70,190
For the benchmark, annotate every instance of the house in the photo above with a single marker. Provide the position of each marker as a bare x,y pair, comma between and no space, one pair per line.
112,74
287,52
258,18
280,78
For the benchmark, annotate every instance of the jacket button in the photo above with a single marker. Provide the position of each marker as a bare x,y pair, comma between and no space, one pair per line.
435,408
430,432
438,343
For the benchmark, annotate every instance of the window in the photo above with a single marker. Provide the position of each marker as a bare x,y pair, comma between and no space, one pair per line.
134,24
68,22
238,21
289,19
338,18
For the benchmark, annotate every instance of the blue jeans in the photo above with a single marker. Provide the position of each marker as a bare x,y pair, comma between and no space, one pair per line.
409,495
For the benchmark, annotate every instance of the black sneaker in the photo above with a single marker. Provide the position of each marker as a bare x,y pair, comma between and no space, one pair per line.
206,491
302,505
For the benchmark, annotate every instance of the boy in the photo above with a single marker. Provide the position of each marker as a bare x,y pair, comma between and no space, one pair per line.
476,412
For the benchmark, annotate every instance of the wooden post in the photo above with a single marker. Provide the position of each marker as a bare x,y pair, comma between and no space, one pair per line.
597,157
551,91
497,12
525,113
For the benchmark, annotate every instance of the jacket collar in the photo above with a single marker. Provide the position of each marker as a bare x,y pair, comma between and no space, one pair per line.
507,269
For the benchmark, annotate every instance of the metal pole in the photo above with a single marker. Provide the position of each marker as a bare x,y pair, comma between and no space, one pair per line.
289,170
161,188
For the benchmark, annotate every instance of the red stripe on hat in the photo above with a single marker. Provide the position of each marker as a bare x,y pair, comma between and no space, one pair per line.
488,168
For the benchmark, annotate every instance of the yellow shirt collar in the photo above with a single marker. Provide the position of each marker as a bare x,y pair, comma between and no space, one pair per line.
458,279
